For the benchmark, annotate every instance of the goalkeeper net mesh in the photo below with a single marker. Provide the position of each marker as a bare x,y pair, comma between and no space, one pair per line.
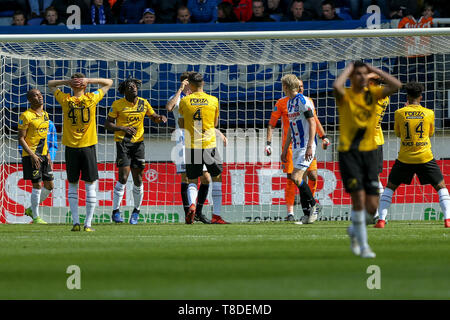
244,74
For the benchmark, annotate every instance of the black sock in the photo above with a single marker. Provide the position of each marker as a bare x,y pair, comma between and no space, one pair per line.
184,196
201,198
306,198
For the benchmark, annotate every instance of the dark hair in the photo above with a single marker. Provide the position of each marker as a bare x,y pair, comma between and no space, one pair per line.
124,84
427,5
228,11
50,9
18,13
294,1
185,75
29,92
195,79
330,2
359,64
183,8
78,75
413,89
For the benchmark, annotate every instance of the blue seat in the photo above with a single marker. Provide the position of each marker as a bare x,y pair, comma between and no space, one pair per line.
7,13
35,21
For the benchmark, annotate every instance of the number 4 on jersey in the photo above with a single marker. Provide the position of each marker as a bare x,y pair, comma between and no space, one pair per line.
198,115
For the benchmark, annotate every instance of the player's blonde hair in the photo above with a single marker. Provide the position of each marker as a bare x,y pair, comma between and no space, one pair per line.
291,82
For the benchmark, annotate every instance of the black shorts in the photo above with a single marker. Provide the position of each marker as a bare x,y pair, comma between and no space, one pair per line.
428,173
196,158
130,154
359,171
380,159
81,160
44,173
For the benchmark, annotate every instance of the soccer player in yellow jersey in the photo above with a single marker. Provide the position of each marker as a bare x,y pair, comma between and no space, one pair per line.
37,165
414,125
382,104
126,119
199,118
80,139
357,146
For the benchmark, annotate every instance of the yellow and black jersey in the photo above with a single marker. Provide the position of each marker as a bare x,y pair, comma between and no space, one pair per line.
37,129
414,125
358,119
129,114
79,124
382,104
200,111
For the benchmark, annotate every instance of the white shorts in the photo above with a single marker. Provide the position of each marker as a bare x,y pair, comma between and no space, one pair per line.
180,152
298,158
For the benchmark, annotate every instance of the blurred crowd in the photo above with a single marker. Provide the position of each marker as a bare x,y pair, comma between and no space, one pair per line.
412,13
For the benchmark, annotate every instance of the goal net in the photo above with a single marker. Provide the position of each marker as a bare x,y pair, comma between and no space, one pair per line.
243,70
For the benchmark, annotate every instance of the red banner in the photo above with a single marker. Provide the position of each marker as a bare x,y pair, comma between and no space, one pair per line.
243,183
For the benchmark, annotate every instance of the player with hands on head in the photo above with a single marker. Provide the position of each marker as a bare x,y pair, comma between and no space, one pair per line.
357,146
80,139
126,120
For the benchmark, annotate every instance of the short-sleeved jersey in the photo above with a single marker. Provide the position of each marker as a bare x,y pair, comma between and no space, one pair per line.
280,111
414,125
382,104
199,111
407,22
129,114
298,123
79,123
175,110
358,119
37,130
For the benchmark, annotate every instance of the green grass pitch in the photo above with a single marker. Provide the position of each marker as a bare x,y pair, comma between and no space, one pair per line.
275,260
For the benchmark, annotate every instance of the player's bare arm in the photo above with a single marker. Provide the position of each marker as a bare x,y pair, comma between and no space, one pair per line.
268,148
309,154
105,84
172,102
35,160
158,118
321,132
339,83
286,146
110,124
54,84
222,136
391,84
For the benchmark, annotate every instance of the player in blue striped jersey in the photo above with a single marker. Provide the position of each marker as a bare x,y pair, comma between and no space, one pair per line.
302,131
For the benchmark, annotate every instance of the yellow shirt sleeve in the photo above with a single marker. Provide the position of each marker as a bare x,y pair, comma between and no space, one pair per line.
23,122
98,95
113,113
60,96
377,92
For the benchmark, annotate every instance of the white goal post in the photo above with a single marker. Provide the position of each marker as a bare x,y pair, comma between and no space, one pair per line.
243,69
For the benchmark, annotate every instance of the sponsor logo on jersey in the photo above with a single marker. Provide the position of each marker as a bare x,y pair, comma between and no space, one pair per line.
414,114
198,101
